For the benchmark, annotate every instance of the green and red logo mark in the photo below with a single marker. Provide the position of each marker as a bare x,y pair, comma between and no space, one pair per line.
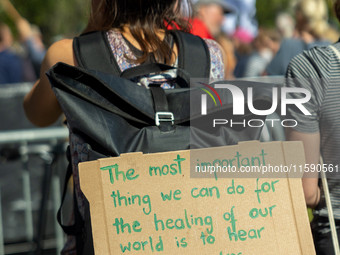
204,97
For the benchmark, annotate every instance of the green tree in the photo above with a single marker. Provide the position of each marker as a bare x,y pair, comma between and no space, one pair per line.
267,11
63,18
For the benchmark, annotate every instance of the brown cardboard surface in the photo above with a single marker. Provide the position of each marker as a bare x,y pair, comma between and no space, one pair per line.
196,219
292,149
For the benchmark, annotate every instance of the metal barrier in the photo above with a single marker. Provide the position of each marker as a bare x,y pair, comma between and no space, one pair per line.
48,144
33,135
21,143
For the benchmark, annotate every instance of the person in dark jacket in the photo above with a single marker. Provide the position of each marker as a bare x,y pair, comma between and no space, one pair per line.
11,66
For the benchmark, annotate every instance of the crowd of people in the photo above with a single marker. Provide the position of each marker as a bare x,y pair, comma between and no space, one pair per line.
21,61
268,52
295,48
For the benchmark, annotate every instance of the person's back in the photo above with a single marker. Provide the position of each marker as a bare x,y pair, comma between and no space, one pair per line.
132,36
318,71
11,69
289,49
324,107
265,45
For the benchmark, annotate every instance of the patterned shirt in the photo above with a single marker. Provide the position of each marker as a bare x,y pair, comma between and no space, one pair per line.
324,107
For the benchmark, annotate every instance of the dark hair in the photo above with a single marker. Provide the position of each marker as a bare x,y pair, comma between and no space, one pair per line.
337,8
145,18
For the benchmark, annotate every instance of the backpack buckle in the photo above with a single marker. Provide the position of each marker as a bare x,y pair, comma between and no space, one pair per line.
164,116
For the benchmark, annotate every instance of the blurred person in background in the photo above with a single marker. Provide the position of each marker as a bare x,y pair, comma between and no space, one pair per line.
11,65
318,70
209,16
242,18
31,48
243,50
31,39
285,24
332,34
265,45
311,25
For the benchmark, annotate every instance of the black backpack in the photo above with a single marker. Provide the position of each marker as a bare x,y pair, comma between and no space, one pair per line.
113,115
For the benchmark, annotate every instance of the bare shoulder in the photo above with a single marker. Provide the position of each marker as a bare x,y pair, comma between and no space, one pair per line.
40,104
60,51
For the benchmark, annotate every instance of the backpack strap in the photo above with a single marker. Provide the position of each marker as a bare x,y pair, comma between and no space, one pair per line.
93,51
193,54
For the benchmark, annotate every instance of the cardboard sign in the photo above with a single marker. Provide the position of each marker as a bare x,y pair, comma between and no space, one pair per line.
149,204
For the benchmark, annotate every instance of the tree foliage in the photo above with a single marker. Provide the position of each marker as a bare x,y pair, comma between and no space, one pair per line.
55,18
267,11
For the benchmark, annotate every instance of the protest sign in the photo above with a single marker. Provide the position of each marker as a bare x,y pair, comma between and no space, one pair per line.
149,204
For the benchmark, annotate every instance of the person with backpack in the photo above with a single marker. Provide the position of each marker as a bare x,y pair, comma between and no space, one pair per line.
133,33
318,71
